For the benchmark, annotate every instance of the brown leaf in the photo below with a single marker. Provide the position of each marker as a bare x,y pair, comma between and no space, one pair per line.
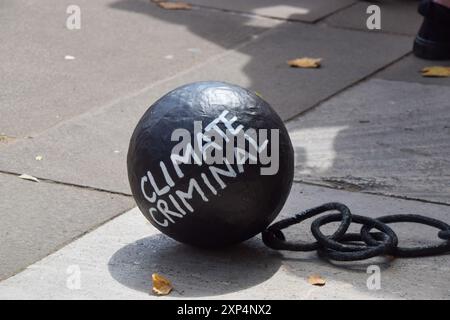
436,71
161,286
28,177
4,138
305,62
316,280
174,5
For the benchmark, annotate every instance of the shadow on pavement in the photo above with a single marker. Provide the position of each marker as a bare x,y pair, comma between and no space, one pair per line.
179,17
197,272
194,272
252,70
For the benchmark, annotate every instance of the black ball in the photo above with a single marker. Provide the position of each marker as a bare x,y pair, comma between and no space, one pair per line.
236,172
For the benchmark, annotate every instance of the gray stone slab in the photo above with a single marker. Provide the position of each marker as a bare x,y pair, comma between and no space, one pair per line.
37,219
408,70
116,261
348,56
122,47
90,150
301,10
381,136
397,16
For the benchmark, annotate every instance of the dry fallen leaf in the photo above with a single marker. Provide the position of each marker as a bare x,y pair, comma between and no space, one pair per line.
39,158
316,280
28,177
4,138
436,71
305,62
174,5
161,286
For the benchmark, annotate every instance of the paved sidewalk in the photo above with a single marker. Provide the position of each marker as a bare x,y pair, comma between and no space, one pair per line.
39,218
116,261
365,122
386,137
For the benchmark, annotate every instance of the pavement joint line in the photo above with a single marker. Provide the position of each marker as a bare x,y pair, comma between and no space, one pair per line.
79,186
392,33
186,71
318,184
71,240
244,13
99,110
351,85
137,93
324,185
198,66
251,14
400,80
334,12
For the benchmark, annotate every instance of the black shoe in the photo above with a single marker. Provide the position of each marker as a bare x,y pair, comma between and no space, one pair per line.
433,40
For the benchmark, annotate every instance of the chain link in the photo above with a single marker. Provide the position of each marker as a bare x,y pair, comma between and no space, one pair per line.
343,246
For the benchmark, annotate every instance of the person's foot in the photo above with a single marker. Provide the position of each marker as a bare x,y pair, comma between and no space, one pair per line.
433,39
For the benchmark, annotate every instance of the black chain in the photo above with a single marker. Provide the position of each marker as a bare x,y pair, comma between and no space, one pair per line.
343,246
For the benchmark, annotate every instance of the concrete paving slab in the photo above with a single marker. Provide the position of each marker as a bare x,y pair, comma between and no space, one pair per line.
90,150
122,47
381,136
38,218
301,10
116,262
348,56
397,16
408,70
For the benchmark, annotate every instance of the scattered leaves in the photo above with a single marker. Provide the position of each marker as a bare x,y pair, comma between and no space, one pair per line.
161,286
436,71
316,280
28,177
305,62
39,158
174,5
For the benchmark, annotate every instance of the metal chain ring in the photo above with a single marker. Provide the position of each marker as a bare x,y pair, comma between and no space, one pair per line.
342,246
414,251
343,252
274,238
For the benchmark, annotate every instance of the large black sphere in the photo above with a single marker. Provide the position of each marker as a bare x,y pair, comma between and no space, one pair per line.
209,205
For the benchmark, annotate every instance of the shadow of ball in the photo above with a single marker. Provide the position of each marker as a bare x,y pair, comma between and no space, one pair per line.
194,272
